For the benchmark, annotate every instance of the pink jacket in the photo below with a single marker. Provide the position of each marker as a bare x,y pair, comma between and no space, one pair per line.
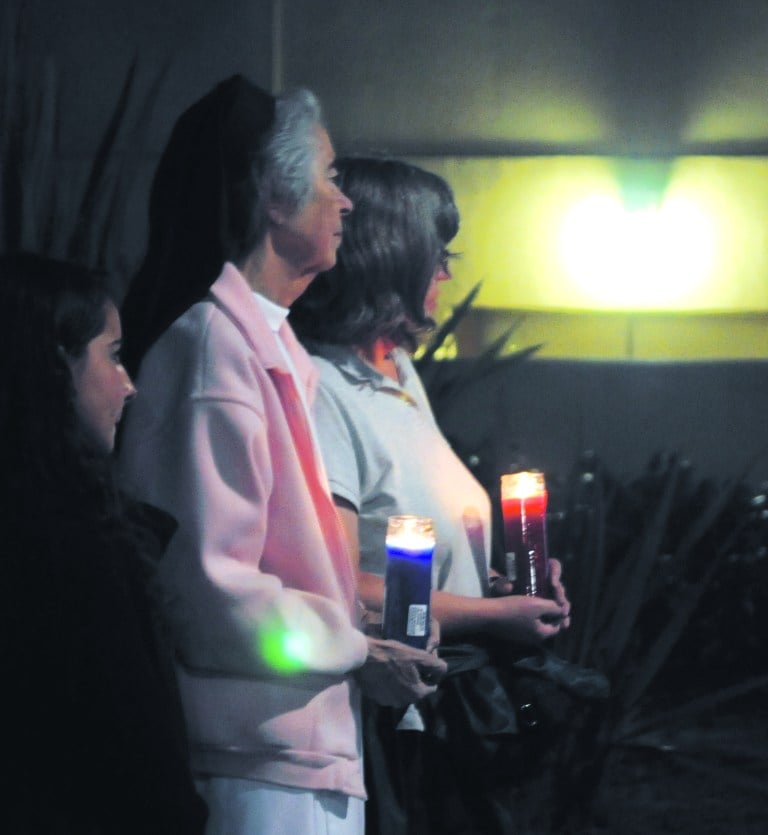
258,568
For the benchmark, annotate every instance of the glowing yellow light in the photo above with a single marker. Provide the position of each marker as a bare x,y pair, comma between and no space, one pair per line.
522,485
643,259
517,238
285,651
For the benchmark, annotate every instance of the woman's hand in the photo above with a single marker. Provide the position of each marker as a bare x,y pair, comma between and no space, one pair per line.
395,674
501,586
433,642
373,626
528,620
558,590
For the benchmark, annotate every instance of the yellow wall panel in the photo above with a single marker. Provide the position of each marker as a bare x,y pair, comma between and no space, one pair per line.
707,250
616,336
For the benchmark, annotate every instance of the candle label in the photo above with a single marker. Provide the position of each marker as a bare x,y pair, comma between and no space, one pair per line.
417,621
408,586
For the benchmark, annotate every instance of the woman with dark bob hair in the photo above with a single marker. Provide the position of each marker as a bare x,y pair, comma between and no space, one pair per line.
383,450
95,735
387,261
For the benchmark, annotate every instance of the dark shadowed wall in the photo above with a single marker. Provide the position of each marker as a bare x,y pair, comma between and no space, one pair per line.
444,77
543,414
453,77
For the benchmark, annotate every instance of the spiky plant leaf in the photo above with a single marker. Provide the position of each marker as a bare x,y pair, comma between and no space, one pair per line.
637,569
447,328
443,380
51,239
38,172
728,777
592,581
660,649
637,724
115,215
82,246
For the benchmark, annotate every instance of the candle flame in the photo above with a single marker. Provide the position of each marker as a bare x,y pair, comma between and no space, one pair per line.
411,533
410,541
523,485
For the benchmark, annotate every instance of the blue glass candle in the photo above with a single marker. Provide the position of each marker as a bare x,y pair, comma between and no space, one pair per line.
410,545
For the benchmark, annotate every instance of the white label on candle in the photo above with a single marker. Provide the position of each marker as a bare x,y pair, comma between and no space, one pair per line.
417,621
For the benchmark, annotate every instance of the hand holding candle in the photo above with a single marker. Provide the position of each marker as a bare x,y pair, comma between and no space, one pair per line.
524,507
410,544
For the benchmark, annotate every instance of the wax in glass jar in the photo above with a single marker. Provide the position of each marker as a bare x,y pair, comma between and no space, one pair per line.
524,508
410,544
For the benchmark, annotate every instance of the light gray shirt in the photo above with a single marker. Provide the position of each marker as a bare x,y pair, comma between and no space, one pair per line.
385,454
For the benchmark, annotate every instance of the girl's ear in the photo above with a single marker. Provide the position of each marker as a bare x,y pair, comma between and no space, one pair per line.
277,214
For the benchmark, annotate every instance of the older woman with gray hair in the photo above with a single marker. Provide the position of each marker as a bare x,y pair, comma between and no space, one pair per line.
259,589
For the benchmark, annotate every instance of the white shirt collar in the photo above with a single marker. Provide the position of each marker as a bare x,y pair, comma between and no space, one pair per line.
274,313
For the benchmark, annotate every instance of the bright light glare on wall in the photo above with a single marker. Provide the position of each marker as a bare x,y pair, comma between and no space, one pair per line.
648,258
561,234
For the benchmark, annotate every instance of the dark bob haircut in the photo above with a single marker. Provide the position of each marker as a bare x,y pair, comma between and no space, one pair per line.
403,219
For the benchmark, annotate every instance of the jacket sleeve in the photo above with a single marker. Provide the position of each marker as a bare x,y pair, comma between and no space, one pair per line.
248,583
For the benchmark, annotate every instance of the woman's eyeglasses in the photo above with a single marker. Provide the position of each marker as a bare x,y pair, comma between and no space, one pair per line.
444,262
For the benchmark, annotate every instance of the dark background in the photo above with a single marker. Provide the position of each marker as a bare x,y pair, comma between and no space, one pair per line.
453,77
432,78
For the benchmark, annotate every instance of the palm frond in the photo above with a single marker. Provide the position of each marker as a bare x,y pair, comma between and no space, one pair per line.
38,164
688,712
82,246
447,328
113,218
658,653
636,570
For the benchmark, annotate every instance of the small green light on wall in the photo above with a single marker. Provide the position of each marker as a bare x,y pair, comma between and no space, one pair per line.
642,183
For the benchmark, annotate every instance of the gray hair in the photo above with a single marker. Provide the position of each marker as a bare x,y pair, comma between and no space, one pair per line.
292,149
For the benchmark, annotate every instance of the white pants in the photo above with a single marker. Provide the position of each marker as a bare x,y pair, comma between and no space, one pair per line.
247,807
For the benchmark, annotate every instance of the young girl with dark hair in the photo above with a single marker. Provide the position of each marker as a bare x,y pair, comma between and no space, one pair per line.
94,744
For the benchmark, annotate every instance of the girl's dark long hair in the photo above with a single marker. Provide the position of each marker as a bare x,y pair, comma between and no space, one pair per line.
49,312
83,667
402,221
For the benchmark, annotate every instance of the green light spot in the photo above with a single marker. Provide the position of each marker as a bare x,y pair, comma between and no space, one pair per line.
285,652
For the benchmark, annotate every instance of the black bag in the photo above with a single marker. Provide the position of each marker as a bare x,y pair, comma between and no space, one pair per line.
488,731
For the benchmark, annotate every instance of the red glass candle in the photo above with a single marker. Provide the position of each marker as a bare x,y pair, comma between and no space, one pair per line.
524,507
